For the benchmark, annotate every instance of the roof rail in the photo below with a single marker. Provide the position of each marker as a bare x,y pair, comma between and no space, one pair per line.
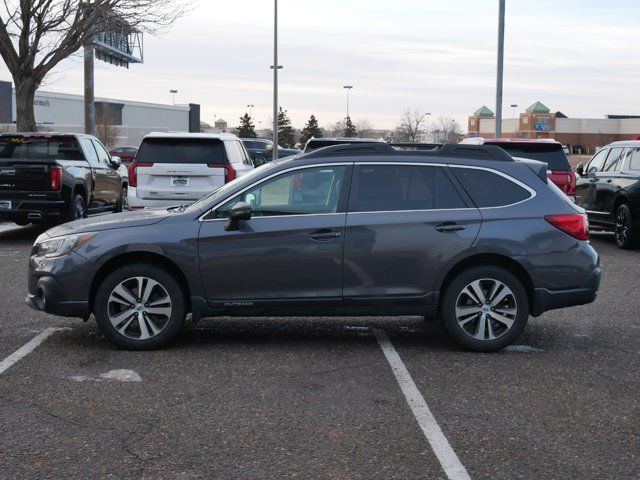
416,146
477,152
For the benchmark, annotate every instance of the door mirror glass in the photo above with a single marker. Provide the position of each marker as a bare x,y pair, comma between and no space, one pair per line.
116,162
239,211
580,169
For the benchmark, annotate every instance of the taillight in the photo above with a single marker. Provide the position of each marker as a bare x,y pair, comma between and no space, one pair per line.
229,171
133,174
575,225
56,177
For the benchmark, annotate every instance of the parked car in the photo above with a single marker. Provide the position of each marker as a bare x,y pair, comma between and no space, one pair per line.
609,189
465,232
126,154
261,150
316,143
57,177
178,168
544,150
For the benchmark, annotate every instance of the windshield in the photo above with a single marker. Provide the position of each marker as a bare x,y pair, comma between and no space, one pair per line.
220,192
550,153
36,148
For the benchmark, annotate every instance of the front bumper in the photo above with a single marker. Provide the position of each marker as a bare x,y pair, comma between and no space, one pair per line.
545,299
49,298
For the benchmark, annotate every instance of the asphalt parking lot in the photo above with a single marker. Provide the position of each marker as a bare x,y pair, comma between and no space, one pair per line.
318,398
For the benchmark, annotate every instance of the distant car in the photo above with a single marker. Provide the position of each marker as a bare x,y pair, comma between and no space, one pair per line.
608,188
261,150
543,150
466,233
126,154
180,168
58,177
316,143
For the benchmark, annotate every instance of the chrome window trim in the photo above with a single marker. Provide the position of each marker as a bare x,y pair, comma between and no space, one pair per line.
531,191
258,182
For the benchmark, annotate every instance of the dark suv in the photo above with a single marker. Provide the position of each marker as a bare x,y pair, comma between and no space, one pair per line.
463,232
609,189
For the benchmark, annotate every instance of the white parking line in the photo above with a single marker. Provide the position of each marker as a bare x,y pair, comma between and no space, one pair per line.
26,349
448,459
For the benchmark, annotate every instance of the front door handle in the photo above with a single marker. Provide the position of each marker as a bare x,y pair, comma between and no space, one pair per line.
324,235
609,181
450,227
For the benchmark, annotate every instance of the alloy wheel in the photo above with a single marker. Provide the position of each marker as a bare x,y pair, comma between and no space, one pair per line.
124,200
622,227
486,309
139,308
79,208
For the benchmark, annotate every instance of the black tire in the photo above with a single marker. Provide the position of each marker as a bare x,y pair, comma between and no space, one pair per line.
123,201
170,326
626,232
464,334
77,209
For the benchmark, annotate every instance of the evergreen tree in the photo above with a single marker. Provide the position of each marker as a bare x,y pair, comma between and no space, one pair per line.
285,130
311,129
246,128
350,128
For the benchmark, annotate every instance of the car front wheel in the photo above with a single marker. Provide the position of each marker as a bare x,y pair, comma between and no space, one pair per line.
626,234
140,307
485,309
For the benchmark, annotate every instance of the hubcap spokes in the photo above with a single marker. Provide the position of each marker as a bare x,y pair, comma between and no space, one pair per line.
622,227
139,308
486,309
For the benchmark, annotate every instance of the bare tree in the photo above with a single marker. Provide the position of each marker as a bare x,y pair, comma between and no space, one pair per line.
447,130
106,132
411,126
36,35
364,128
335,129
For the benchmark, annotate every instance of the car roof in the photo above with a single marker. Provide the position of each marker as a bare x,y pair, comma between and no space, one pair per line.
624,143
46,134
482,141
344,139
255,140
219,136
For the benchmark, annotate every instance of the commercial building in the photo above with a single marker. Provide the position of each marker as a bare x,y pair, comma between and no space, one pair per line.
582,135
131,120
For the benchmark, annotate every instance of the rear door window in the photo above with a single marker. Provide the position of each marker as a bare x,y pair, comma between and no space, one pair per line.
550,153
614,160
488,189
35,148
182,150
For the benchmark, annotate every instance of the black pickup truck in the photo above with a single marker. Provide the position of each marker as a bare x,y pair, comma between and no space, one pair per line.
58,177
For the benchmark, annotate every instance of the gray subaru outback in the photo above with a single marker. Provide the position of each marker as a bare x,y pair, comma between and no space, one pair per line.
465,233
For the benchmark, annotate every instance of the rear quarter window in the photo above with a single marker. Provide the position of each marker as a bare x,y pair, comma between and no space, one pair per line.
488,189
182,150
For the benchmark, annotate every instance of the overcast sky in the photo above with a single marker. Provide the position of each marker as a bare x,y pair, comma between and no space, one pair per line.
581,57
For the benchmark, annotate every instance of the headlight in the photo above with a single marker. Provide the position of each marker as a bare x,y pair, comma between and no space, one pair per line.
59,246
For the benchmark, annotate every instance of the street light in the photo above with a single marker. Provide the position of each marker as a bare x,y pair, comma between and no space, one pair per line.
428,115
250,107
173,93
348,88
275,68
514,106
500,69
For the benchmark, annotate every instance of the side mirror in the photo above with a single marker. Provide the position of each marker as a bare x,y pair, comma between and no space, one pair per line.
116,162
239,211
580,169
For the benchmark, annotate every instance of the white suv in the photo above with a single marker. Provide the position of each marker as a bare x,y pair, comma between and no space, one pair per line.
176,168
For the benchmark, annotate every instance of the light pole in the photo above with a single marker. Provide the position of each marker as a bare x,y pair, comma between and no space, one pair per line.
514,106
250,107
428,115
500,69
348,88
275,67
173,94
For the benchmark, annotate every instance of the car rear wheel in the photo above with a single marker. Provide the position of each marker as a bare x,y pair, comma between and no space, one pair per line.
77,209
485,309
626,234
140,307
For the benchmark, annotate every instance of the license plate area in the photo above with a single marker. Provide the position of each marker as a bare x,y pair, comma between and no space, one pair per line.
5,204
179,181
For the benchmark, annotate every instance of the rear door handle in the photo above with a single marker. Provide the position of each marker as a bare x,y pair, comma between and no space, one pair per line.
449,227
324,235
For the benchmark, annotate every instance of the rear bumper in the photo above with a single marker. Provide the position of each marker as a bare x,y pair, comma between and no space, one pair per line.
137,203
545,299
49,298
35,210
